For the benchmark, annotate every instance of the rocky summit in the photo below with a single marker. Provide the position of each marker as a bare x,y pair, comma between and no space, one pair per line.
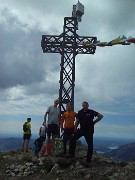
16,165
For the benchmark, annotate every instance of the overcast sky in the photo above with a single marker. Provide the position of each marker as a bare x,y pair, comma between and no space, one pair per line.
29,78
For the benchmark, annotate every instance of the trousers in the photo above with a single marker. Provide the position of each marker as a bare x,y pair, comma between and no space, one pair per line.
88,135
68,132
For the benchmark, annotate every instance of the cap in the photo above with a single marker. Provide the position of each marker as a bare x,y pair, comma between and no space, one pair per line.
28,119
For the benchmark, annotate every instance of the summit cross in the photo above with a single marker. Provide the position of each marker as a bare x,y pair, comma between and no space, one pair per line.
68,45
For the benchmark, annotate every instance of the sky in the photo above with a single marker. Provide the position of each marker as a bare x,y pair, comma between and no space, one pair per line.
29,78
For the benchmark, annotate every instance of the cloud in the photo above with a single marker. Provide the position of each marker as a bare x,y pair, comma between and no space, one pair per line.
29,78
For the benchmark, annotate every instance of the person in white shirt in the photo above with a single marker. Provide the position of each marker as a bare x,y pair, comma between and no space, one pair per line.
52,123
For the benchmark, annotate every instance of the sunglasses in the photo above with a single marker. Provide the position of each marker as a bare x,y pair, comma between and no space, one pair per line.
85,105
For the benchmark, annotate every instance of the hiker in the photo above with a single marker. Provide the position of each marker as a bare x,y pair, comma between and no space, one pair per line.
26,135
38,143
42,135
52,124
68,119
85,118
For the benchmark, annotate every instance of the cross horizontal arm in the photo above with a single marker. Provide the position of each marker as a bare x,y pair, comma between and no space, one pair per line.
80,45
51,43
54,44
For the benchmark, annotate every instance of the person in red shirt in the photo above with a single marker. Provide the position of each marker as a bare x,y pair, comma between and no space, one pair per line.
68,119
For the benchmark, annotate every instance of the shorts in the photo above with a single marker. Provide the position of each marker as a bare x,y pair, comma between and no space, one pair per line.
52,129
26,136
42,138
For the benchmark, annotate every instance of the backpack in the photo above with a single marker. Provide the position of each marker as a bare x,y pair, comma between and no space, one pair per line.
25,128
58,146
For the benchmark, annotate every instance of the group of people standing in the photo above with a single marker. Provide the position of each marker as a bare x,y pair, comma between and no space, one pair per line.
68,124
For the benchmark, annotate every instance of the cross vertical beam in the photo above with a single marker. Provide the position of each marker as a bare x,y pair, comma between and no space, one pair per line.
67,73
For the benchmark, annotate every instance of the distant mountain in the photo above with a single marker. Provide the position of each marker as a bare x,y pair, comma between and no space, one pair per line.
105,144
123,153
101,145
8,144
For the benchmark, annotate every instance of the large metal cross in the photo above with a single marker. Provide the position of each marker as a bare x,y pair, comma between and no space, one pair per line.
68,44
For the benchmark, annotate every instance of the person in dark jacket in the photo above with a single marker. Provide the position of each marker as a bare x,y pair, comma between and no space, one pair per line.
85,118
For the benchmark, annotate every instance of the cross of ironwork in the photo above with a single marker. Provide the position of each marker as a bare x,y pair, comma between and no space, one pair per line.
68,44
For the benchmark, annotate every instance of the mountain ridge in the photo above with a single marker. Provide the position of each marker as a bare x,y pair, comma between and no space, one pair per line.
123,153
